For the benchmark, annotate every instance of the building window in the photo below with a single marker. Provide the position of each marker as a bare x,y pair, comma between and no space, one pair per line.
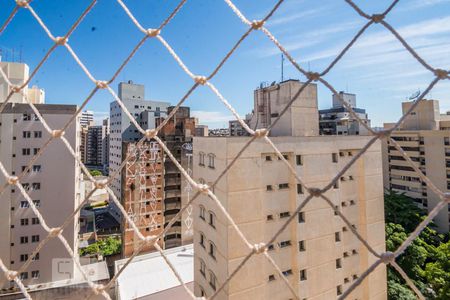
301,217
269,217
337,236
202,240
339,290
35,238
336,210
23,276
26,134
35,274
34,221
212,280
303,275
202,212
287,272
271,277
36,186
201,159
301,246
24,204
284,244
212,219
268,158
283,186
268,188
299,160
38,134
23,257
23,222
26,117
338,263
299,188
211,158
285,214
37,168
202,268
212,250
36,257
24,240
36,150
334,157
270,247
26,151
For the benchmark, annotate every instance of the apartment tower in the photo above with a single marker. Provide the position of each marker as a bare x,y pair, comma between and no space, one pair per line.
55,196
153,187
317,252
338,120
425,137
123,130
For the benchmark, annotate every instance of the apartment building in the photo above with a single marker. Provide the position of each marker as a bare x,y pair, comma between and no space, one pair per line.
317,252
177,135
201,130
97,146
56,196
121,127
425,137
154,189
87,118
236,128
338,120
18,74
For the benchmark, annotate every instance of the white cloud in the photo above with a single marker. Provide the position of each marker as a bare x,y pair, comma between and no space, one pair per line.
290,17
310,38
214,119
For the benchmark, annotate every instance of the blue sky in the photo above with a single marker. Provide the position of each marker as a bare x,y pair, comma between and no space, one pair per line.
377,68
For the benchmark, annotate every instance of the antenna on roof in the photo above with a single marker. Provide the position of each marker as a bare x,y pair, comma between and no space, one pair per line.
414,95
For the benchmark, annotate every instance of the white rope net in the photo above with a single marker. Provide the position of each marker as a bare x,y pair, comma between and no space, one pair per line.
387,258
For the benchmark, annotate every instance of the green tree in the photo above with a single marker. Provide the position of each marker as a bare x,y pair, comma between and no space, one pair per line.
437,272
109,246
400,209
95,173
426,261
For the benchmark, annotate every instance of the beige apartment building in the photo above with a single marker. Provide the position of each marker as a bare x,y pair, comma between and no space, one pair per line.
52,184
425,137
317,252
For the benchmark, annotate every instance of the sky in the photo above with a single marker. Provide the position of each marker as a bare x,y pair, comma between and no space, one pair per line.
377,68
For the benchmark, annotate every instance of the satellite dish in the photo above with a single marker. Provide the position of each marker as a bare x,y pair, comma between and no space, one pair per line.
415,95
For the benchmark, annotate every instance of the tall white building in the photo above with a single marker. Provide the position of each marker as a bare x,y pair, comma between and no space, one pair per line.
121,127
87,118
52,183
317,252
97,146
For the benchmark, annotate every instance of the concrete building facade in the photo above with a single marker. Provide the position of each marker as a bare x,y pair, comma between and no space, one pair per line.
154,189
317,252
97,147
338,120
425,137
121,128
55,196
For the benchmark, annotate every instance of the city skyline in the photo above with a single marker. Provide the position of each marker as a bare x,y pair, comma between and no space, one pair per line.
422,23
